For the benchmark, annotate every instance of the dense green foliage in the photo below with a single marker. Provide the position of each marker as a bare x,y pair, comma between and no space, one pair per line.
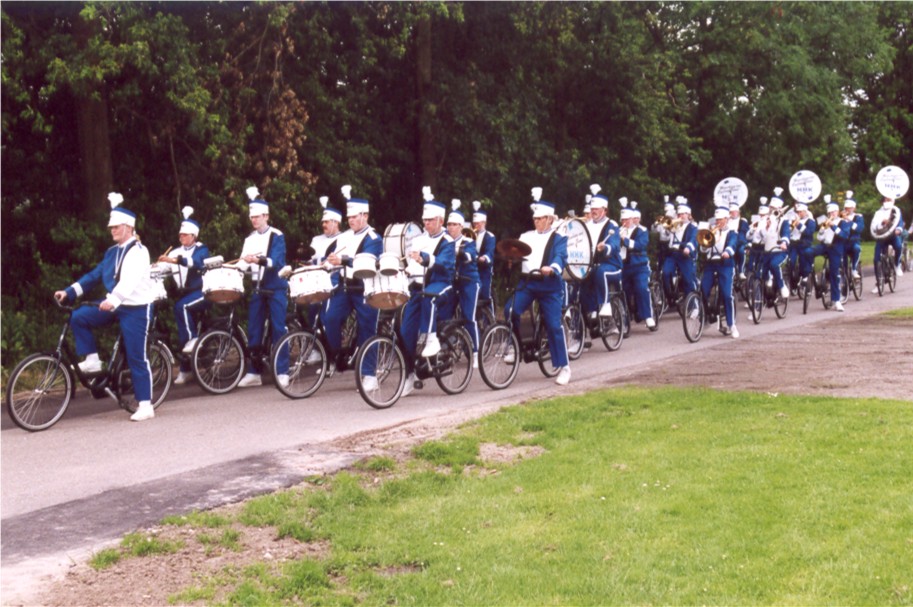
188,103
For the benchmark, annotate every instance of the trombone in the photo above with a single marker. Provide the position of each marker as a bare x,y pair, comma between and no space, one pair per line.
707,238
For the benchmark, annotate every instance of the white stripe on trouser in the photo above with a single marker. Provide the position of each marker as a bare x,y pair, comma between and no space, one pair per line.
432,316
188,319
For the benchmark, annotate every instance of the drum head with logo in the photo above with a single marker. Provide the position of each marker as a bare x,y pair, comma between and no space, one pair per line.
579,249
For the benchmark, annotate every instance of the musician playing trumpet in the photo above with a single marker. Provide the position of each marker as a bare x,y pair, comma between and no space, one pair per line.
720,262
682,254
775,235
853,247
802,240
662,227
832,236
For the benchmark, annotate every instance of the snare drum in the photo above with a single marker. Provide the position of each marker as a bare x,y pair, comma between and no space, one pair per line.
389,264
310,286
223,285
398,238
158,273
364,266
579,249
387,292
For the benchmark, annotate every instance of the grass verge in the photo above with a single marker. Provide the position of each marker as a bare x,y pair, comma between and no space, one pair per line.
660,496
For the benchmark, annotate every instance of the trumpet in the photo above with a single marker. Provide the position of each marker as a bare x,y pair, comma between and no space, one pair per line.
668,222
795,223
469,233
707,238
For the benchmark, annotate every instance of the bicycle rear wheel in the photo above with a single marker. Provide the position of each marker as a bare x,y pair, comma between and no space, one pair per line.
218,362
484,318
693,316
781,304
890,275
307,364
39,392
499,356
658,295
459,368
380,356
807,292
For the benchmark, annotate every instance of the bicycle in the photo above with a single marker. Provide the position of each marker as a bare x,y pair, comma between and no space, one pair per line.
658,293
502,348
382,357
42,385
852,283
885,272
611,329
697,312
575,325
219,355
765,294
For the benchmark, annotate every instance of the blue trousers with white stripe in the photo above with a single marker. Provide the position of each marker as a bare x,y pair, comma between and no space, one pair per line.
420,315
185,310
134,327
550,295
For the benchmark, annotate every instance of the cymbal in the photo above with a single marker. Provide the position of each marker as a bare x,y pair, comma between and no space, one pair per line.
513,248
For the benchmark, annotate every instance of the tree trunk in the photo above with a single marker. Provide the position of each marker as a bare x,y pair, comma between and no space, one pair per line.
425,134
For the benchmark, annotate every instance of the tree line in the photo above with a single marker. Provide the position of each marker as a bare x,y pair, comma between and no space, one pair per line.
188,103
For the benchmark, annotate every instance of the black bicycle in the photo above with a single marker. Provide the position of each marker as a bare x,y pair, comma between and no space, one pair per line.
380,366
765,294
885,272
42,385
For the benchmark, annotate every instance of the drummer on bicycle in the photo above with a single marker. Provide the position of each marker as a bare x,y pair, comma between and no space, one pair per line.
359,238
541,281
431,264
606,274
124,272
189,261
466,278
322,245
263,254
485,246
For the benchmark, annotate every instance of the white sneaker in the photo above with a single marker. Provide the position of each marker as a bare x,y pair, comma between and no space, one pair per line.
856,274
742,276
838,306
564,376
899,271
369,383
251,379
784,292
432,346
182,378
314,357
282,380
92,364
693,314
188,347
410,385
874,291
734,333
475,360
605,310
510,356
651,324
143,412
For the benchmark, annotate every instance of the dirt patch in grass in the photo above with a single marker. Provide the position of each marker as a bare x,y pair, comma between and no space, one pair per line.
866,357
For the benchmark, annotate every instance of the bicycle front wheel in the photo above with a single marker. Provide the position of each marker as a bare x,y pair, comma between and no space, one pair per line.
755,298
781,304
457,374
890,275
658,295
307,364
499,356
693,316
611,328
38,392
576,331
380,358
161,363
218,362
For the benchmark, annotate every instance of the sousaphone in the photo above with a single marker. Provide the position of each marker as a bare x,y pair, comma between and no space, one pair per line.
892,182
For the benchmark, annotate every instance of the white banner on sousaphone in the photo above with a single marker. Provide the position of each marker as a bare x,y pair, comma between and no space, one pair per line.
730,190
805,187
892,182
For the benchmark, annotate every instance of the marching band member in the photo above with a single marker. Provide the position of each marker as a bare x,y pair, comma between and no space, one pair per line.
682,254
853,244
349,292
606,272
720,261
803,244
188,258
124,272
664,234
485,246
431,265
894,240
635,273
549,258
466,278
263,254
755,238
739,225
776,243
832,235
322,245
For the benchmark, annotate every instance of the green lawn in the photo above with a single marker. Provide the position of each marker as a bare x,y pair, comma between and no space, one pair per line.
668,496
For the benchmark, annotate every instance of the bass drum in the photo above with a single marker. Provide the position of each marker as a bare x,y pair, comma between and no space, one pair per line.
398,238
579,249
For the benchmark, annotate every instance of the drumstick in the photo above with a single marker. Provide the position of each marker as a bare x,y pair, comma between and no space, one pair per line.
166,252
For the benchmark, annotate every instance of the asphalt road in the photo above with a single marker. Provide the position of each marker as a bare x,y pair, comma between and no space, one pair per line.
95,475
